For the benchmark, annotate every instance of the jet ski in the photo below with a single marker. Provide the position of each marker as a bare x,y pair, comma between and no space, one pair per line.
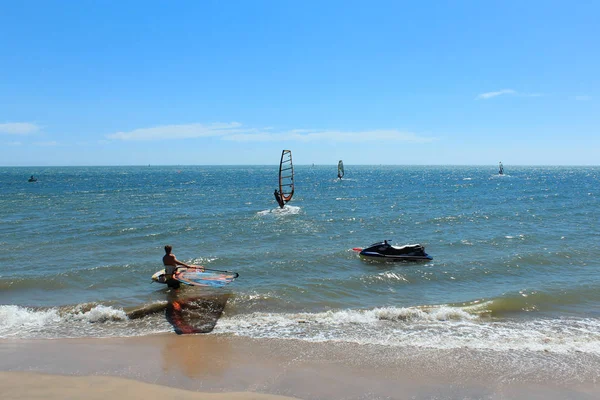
383,251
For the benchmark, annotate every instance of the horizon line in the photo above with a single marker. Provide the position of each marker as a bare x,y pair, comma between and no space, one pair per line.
297,165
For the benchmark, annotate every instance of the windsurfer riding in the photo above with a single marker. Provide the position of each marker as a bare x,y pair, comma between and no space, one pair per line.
340,169
278,198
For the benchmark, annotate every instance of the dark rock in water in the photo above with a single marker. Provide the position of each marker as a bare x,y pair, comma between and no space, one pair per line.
146,310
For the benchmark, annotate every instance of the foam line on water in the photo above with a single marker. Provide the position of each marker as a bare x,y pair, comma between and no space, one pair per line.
429,327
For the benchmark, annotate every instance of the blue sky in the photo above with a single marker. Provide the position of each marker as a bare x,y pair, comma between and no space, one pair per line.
235,82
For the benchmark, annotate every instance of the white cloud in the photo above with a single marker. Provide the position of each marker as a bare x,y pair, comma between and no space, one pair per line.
236,132
489,95
185,131
18,128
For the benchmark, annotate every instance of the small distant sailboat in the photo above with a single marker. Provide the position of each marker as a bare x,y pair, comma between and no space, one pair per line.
286,179
501,169
340,169
32,179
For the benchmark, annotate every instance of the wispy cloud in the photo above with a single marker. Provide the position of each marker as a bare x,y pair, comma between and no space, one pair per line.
51,143
332,136
511,92
236,132
489,95
18,128
177,131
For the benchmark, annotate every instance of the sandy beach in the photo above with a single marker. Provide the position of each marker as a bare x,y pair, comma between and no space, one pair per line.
24,385
216,366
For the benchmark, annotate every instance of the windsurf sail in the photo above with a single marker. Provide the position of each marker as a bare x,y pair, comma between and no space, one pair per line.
199,276
196,314
501,169
340,169
286,176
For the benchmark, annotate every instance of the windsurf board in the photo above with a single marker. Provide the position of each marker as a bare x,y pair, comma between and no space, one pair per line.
198,276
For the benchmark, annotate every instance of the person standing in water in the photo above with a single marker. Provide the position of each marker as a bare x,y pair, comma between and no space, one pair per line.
171,264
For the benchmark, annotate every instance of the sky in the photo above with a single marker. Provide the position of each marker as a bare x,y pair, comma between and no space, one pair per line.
236,82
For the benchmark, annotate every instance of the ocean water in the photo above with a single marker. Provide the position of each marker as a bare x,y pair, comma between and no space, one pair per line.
516,258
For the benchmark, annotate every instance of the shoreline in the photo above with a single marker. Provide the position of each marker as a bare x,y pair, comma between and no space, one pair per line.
212,364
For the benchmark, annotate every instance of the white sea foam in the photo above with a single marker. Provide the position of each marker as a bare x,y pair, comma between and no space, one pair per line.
391,276
80,321
429,327
287,210
14,318
437,327
99,313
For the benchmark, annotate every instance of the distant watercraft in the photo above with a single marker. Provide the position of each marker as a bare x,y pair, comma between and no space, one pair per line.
286,179
383,251
32,179
501,169
340,169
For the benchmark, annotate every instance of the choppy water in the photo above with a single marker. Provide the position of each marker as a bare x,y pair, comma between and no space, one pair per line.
515,257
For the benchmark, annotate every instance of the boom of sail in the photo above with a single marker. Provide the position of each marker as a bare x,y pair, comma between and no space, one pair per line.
286,176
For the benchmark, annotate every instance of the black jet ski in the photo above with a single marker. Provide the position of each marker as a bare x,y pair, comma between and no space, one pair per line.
383,251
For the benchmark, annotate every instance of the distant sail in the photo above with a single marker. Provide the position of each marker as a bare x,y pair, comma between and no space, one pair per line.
340,169
501,169
286,176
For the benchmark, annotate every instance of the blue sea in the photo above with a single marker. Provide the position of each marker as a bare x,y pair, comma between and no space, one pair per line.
516,257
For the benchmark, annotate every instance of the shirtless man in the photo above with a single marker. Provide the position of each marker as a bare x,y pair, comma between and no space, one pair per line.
171,264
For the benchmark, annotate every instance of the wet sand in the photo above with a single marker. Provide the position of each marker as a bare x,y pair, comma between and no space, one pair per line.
203,366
